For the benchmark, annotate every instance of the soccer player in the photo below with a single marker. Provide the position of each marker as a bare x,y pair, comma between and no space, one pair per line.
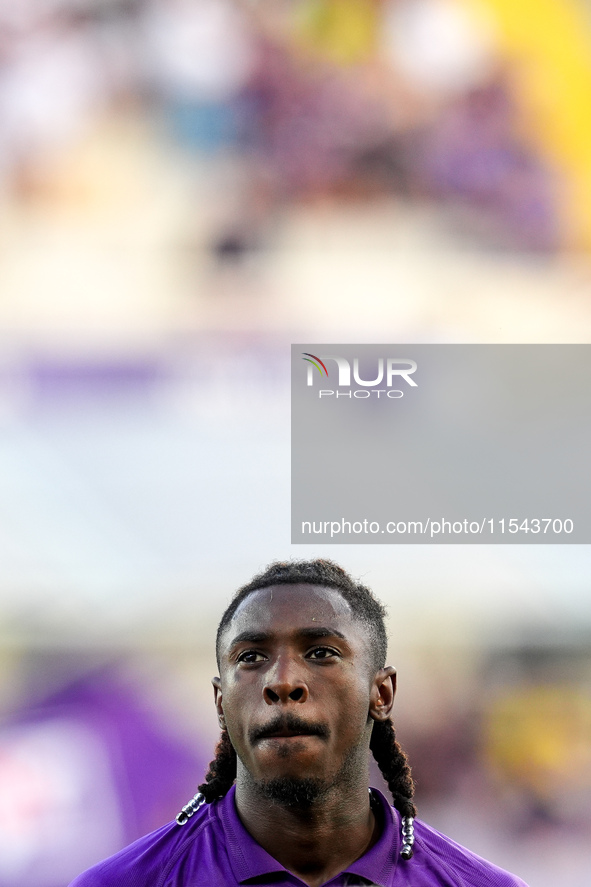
303,696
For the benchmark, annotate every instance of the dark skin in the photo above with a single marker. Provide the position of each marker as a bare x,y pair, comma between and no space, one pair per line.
296,650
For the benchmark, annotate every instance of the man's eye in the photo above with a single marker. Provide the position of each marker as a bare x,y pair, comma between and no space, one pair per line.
250,656
322,653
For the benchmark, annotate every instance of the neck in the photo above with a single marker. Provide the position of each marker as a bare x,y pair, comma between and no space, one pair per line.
315,841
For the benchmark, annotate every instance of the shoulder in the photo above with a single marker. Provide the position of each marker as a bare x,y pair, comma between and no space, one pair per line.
147,862
453,864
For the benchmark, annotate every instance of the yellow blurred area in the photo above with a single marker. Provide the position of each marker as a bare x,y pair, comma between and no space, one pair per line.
539,738
341,31
547,44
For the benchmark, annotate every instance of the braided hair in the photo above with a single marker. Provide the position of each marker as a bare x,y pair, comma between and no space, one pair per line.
390,758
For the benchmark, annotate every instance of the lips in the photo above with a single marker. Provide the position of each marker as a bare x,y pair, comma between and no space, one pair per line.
287,734
287,727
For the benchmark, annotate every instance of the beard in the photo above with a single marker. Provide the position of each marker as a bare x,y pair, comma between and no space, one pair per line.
302,792
293,791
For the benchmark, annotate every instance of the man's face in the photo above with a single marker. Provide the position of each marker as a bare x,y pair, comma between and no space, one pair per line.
297,690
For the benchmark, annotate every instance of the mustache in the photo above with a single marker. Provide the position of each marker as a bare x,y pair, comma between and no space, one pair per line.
288,722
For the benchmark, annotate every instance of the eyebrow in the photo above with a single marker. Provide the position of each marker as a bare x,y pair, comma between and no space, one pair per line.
312,633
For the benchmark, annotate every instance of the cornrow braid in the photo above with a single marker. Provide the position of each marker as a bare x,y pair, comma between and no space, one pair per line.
221,774
394,766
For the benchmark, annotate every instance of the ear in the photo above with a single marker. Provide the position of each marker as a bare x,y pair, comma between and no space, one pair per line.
382,694
217,696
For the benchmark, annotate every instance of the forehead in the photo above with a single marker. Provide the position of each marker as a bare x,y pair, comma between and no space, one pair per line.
287,608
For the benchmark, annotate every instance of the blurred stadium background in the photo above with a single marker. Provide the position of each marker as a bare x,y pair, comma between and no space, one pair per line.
187,187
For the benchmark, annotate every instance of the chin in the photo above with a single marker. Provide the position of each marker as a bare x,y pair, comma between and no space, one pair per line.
293,791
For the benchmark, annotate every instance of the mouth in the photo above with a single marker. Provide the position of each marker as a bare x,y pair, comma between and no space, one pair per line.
287,734
289,728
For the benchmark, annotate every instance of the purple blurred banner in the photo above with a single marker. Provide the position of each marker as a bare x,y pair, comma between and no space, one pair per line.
82,773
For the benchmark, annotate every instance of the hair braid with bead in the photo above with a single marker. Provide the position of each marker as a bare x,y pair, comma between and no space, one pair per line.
390,758
394,766
222,770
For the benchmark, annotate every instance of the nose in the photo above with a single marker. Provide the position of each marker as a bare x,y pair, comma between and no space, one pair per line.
284,683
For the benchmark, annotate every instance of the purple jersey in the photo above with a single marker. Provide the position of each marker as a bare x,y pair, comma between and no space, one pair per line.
214,848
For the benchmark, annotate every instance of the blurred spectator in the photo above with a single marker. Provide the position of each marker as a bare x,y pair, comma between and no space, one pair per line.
442,47
474,156
52,84
198,56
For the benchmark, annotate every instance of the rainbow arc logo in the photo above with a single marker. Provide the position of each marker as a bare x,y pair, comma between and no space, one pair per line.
315,361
